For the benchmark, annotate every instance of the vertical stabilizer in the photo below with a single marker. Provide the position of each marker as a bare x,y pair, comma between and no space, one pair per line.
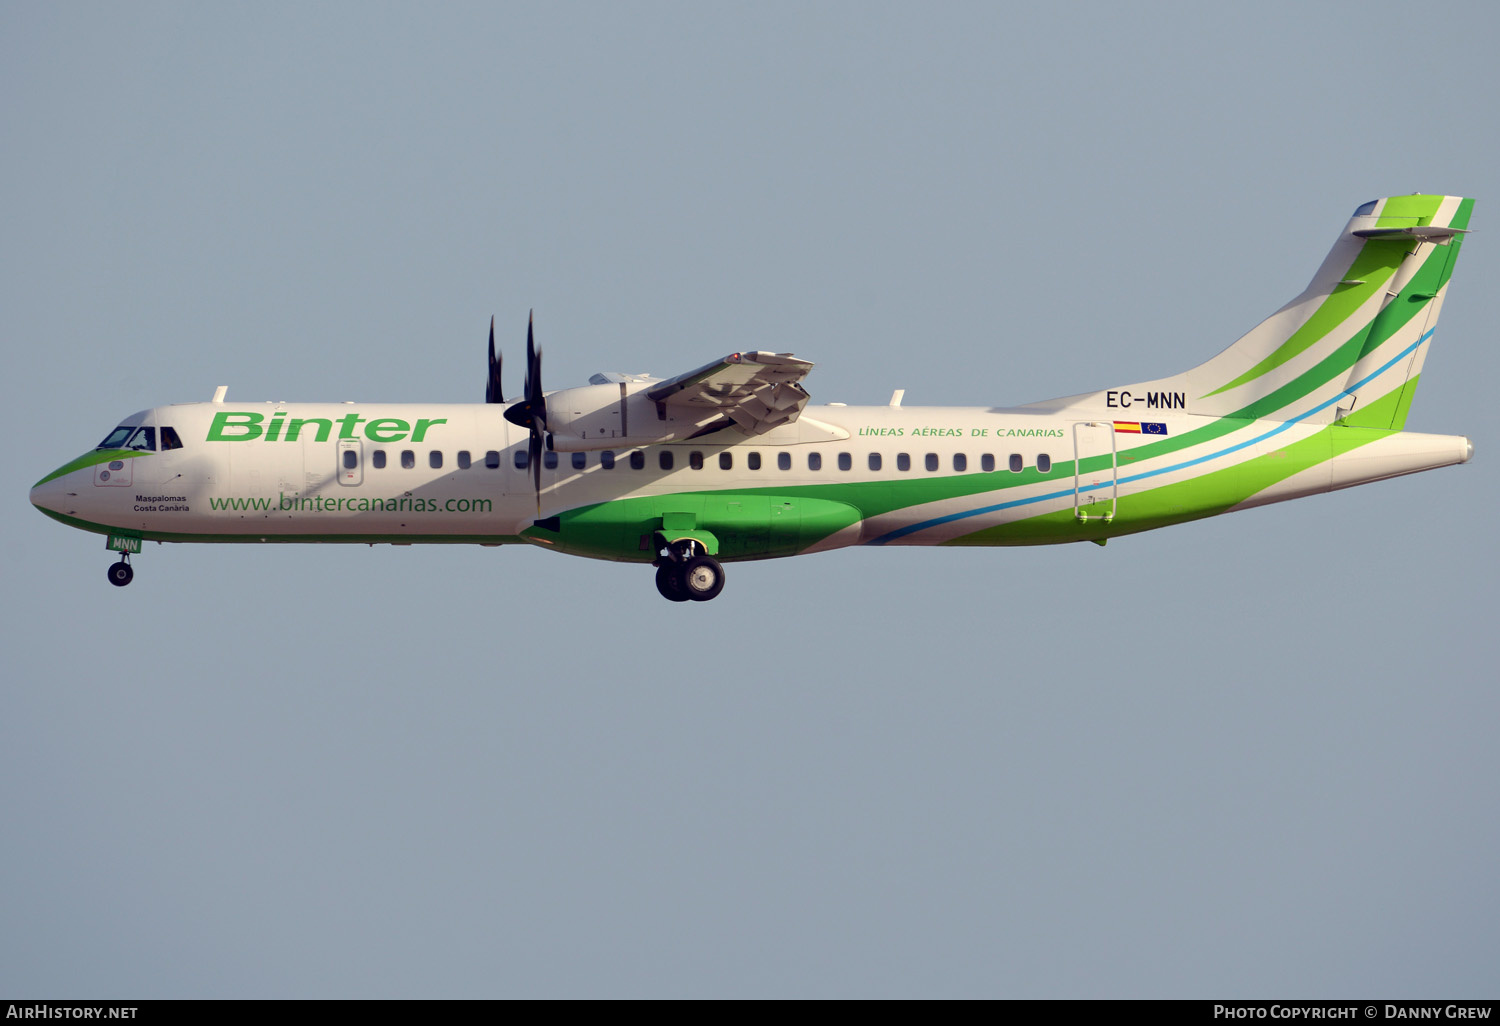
1350,347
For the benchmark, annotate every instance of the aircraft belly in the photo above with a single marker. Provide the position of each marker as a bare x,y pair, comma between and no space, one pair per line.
745,525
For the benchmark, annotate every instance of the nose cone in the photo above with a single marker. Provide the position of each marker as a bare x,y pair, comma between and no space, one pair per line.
48,495
56,493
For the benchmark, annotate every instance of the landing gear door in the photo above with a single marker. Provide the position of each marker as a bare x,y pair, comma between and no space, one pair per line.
1096,469
351,465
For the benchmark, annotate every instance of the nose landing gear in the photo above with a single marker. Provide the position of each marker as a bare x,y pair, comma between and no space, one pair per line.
121,574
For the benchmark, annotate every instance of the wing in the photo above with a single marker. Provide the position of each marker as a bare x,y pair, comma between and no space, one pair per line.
756,391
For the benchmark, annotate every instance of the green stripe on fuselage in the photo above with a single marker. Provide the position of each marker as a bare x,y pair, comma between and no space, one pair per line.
91,459
279,534
1202,496
746,524
876,498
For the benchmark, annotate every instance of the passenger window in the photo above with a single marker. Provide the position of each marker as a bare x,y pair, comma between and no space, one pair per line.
580,460
549,460
463,459
726,461
960,462
144,440
1044,463
903,461
492,460
664,459
695,460
931,462
377,459
637,460
169,439
408,459
814,461
607,459
753,461
784,460
874,461
845,461
523,459
1017,464
987,463
435,459
351,459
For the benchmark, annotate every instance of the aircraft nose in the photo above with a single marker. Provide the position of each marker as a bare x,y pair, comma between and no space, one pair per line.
52,494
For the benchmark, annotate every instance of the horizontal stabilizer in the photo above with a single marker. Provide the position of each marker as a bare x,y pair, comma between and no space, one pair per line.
1425,232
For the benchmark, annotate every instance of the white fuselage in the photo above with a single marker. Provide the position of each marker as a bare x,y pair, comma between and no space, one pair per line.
433,473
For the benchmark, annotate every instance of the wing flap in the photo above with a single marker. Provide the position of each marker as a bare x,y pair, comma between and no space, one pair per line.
758,391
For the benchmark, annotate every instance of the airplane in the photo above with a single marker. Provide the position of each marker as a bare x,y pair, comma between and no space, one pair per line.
729,462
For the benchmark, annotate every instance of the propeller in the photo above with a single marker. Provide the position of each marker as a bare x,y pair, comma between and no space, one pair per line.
492,393
531,411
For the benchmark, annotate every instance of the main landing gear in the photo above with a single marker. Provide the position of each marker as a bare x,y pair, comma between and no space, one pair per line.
120,574
688,573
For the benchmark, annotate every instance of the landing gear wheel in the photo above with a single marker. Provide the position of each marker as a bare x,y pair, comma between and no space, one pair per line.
120,574
702,578
669,582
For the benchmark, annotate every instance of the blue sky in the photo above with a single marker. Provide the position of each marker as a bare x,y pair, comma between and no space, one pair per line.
1246,757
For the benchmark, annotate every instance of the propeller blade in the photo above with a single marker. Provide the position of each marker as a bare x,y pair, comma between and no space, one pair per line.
530,411
535,452
492,393
533,368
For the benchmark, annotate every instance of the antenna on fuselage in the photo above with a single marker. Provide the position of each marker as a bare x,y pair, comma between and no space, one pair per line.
220,393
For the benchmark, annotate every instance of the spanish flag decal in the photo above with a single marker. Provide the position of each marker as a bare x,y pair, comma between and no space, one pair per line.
1131,427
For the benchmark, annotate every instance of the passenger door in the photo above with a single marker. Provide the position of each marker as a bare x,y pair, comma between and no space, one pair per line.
351,462
1095,471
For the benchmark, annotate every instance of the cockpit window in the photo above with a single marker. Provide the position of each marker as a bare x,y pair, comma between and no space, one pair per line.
144,440
169,439
116,438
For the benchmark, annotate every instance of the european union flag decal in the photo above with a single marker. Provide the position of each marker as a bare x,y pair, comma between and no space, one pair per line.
1132,427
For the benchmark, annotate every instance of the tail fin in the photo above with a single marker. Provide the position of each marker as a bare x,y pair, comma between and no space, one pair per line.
1349,348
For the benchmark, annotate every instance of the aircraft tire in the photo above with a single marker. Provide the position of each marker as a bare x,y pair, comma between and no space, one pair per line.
702,578
120,574
669,582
